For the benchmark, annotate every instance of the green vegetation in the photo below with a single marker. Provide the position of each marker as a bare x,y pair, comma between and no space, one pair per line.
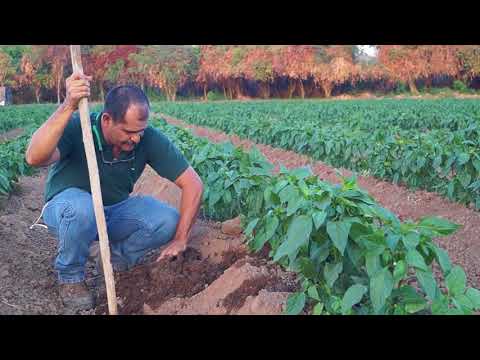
428,144
351,255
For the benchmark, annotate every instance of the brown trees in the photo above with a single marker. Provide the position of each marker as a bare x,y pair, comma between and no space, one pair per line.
57,56
405,63
240,70
5,67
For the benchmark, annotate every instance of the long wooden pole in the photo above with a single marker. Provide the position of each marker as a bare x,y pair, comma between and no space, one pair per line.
95,186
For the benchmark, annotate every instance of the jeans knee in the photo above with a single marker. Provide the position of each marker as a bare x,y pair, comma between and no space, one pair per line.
81,213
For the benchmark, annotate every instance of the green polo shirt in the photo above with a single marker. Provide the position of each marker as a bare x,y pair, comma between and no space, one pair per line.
116,180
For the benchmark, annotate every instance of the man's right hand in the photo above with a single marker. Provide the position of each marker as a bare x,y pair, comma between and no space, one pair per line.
78,87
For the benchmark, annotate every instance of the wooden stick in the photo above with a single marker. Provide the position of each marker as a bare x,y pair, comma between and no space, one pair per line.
95,187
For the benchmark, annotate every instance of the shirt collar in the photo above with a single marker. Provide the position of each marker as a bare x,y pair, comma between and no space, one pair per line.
98,133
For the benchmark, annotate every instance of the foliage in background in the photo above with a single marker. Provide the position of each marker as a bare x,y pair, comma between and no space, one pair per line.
238,71
428,144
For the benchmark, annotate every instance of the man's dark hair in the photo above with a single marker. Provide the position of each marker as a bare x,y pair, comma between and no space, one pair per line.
120,98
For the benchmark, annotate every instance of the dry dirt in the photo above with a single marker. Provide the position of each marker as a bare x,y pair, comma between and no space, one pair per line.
463,246
11,134
205,270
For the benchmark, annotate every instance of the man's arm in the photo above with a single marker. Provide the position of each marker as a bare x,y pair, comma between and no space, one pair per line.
42,150
192,191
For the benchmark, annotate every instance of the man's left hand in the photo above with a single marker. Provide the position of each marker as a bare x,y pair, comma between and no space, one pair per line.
174,249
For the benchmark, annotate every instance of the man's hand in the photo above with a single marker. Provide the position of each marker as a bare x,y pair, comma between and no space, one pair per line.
78,87
173,249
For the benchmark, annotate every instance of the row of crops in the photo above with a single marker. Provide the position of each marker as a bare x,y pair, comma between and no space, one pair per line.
428,144
352,256
12,152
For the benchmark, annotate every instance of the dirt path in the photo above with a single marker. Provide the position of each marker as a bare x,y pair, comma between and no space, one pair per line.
214,276
10,134
27,280
463,246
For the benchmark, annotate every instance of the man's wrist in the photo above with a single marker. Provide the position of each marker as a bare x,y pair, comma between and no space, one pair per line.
180,240
67,107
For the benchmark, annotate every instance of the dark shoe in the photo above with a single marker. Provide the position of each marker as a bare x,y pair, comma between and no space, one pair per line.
76,297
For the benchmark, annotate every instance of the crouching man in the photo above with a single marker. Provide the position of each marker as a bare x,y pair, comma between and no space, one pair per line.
124,144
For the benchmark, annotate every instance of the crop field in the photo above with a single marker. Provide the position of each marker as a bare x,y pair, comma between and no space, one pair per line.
428,144
349,254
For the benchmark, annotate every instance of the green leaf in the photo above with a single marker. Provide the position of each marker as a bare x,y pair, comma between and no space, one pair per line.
251,225
359,230
267,195
301,173
288,193
317,310
464,302
428,283
215,196
319,253
259,171
338,232
331,272
279,186
454,312
307,268
353,296
474,296
414,307
294,204
442,258
381,286
372,263
438,225
269,229
4,184
464,178
476,164
319,218
456,281
408,294
295,303
392,240
298,234
354,254
474,186
411,240
313,292
399,271
463,158
450,189
324,201
415,259
440,305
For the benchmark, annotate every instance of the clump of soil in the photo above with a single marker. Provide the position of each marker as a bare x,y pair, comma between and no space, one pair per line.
157,282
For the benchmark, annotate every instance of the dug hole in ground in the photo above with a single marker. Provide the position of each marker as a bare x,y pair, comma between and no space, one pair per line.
215,275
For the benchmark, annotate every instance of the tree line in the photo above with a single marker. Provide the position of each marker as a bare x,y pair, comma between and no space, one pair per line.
36,73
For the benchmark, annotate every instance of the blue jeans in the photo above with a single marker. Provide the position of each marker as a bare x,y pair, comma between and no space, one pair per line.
135,226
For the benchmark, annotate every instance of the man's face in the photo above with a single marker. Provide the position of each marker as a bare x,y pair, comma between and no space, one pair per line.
127,133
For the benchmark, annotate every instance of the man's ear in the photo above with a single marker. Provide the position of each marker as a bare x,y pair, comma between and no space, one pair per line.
106,118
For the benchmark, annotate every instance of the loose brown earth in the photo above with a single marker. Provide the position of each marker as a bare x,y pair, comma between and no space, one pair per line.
11,134
206,271
463,246
215,275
